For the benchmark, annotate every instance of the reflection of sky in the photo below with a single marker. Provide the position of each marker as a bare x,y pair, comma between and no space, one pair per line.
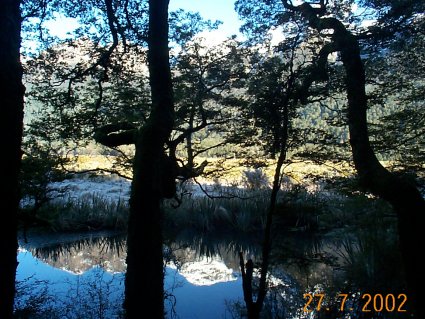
192,301
31,266
63,285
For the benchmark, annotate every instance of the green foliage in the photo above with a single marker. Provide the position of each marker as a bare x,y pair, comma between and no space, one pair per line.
41,166
184,26
396,101
392,50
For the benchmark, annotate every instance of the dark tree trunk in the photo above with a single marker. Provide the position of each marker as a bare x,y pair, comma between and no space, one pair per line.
254,308
153,179
12,106
404,197
401,194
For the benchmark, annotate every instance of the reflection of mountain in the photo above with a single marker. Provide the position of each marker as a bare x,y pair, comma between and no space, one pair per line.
202,261
79,261
207,271
77,255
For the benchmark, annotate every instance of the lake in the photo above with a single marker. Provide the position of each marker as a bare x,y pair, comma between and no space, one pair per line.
82,275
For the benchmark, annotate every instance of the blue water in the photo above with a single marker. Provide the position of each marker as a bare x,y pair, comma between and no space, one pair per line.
84,291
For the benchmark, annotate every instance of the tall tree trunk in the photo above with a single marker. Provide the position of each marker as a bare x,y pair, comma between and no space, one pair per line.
401,194
12,106
152,180
404,196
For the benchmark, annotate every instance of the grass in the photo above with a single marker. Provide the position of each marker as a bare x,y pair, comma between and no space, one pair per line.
302,204
245,213
90,212
229,171
235,209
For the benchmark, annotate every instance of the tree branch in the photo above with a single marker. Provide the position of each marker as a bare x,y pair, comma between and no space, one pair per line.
113,135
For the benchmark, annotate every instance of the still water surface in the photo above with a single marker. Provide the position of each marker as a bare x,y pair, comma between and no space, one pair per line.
81,276
84,274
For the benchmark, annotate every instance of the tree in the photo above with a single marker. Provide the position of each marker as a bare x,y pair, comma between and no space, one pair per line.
204,76
280,146
402,194
124,24
327,21
153,178
104,96
12,92
272,91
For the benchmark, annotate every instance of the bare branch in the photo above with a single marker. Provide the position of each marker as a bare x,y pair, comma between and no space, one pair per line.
100,170
218,196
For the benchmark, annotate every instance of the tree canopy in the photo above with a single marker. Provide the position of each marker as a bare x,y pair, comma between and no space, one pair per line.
325,81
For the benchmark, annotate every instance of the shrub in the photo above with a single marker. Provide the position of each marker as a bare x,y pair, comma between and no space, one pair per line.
255,179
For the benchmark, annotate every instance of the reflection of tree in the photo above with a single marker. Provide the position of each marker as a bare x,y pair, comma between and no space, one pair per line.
103,247
191,246
90,297
93,297
33,299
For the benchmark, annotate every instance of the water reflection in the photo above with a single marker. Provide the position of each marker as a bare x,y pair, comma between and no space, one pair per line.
201,276
82,275
77,253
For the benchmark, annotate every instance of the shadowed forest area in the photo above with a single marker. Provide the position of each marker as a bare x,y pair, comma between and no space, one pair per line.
154,164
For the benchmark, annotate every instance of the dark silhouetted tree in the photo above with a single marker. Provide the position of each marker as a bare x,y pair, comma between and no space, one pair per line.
401,193
334,22
12,107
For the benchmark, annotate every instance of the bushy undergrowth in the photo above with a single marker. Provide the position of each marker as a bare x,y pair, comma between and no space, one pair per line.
243,213
230,208
90,212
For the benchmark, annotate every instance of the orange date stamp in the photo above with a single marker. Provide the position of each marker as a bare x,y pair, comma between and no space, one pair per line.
369,302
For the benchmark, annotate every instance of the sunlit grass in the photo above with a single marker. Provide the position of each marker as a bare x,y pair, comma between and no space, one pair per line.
229,171
243,200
